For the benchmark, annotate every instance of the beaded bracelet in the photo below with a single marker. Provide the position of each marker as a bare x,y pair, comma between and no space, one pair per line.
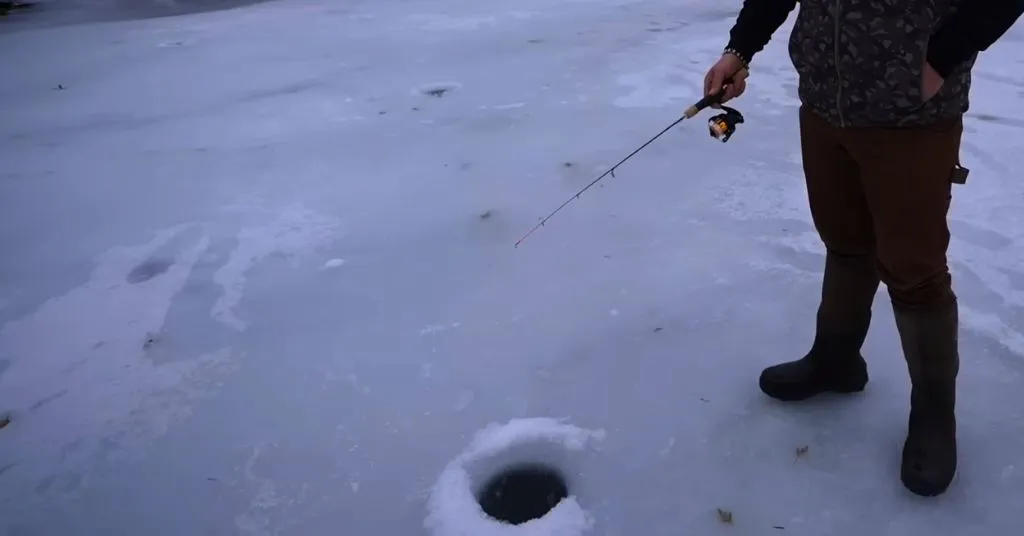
745,61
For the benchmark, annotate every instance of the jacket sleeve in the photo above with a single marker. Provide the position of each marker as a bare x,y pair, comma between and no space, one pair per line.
755,24
975,26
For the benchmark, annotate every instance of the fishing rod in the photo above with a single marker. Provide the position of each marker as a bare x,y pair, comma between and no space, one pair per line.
721,126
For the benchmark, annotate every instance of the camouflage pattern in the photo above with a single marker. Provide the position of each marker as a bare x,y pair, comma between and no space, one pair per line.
860,62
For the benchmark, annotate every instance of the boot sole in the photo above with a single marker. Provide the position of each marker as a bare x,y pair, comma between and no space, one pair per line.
794,396
922,488
918,484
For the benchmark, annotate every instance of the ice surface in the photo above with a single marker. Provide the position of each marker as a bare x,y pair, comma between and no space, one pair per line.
181,355
334,263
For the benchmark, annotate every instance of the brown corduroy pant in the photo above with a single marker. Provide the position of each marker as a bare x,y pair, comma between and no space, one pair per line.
879,198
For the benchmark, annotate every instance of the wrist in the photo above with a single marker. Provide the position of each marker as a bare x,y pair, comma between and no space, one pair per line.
743,59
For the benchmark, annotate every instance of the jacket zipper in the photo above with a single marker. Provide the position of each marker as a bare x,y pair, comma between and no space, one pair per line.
839,73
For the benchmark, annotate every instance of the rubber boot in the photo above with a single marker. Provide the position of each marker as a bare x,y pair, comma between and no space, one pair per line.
834,362
930,347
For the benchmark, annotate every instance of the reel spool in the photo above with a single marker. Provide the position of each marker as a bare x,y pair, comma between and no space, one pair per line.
723,125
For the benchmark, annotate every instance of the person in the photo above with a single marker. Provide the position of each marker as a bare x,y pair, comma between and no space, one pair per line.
883,86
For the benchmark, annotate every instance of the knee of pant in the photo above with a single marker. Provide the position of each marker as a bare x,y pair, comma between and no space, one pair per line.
924,293
860,257
847,236
851,247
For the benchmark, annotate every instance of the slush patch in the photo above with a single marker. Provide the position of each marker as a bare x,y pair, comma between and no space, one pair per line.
148,270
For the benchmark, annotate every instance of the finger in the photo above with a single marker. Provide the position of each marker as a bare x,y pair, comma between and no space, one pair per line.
722,85
728,93
738,88
717,79
735,89
733,78
707,84
741,75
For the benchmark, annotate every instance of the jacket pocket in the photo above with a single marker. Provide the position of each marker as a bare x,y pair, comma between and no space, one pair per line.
895,39
904,72
924,62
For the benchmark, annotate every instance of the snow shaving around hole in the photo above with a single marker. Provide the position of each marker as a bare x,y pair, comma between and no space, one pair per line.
538,452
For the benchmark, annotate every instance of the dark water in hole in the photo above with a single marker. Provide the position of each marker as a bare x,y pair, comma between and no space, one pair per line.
521,493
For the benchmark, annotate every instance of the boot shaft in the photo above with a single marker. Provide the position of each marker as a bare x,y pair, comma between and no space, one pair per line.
848,290
930,340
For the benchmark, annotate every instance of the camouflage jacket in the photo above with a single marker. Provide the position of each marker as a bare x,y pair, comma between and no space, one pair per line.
860,62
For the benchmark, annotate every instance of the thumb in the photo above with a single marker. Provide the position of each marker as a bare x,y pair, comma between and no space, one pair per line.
714,81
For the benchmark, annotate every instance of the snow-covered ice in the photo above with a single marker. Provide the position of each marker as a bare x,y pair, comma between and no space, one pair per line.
334,263
183,351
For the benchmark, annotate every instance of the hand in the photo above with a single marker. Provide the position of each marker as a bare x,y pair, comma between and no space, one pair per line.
931,82
727,67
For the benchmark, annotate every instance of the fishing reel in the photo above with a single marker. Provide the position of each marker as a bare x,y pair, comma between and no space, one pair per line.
723,125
